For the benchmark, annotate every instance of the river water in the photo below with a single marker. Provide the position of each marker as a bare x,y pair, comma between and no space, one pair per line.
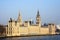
56,37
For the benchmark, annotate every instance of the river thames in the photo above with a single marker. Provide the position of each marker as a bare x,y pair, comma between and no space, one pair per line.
56,37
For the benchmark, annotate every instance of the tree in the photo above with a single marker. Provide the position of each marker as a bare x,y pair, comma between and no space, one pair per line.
2,29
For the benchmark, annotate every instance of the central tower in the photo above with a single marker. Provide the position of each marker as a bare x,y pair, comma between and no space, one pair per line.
19,20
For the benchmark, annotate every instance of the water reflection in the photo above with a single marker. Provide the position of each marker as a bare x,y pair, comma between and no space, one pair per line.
57,37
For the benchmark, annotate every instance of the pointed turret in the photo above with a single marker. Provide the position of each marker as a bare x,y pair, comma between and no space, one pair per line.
19,18
38,15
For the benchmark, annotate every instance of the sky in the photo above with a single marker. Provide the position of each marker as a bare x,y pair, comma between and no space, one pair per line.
49,10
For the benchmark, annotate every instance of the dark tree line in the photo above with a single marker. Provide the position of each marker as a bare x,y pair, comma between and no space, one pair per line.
2,29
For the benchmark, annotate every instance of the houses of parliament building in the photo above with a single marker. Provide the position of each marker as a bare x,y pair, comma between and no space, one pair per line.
18,27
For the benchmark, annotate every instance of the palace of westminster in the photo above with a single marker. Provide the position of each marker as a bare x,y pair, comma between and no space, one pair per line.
18,27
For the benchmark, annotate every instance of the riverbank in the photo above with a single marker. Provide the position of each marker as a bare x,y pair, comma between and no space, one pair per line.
28,35
55,37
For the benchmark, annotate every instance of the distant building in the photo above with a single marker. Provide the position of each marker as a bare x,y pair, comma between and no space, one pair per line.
57,29
18,27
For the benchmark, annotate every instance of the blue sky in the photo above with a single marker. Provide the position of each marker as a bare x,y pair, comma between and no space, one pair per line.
49,10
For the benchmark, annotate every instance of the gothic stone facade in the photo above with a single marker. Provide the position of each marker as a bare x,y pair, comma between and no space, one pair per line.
18,28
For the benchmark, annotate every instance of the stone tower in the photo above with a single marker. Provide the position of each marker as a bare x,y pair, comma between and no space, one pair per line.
19,20
52,28
38,19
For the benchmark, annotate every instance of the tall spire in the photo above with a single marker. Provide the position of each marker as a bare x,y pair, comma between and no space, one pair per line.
38,19
19,17
19,13
38,13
